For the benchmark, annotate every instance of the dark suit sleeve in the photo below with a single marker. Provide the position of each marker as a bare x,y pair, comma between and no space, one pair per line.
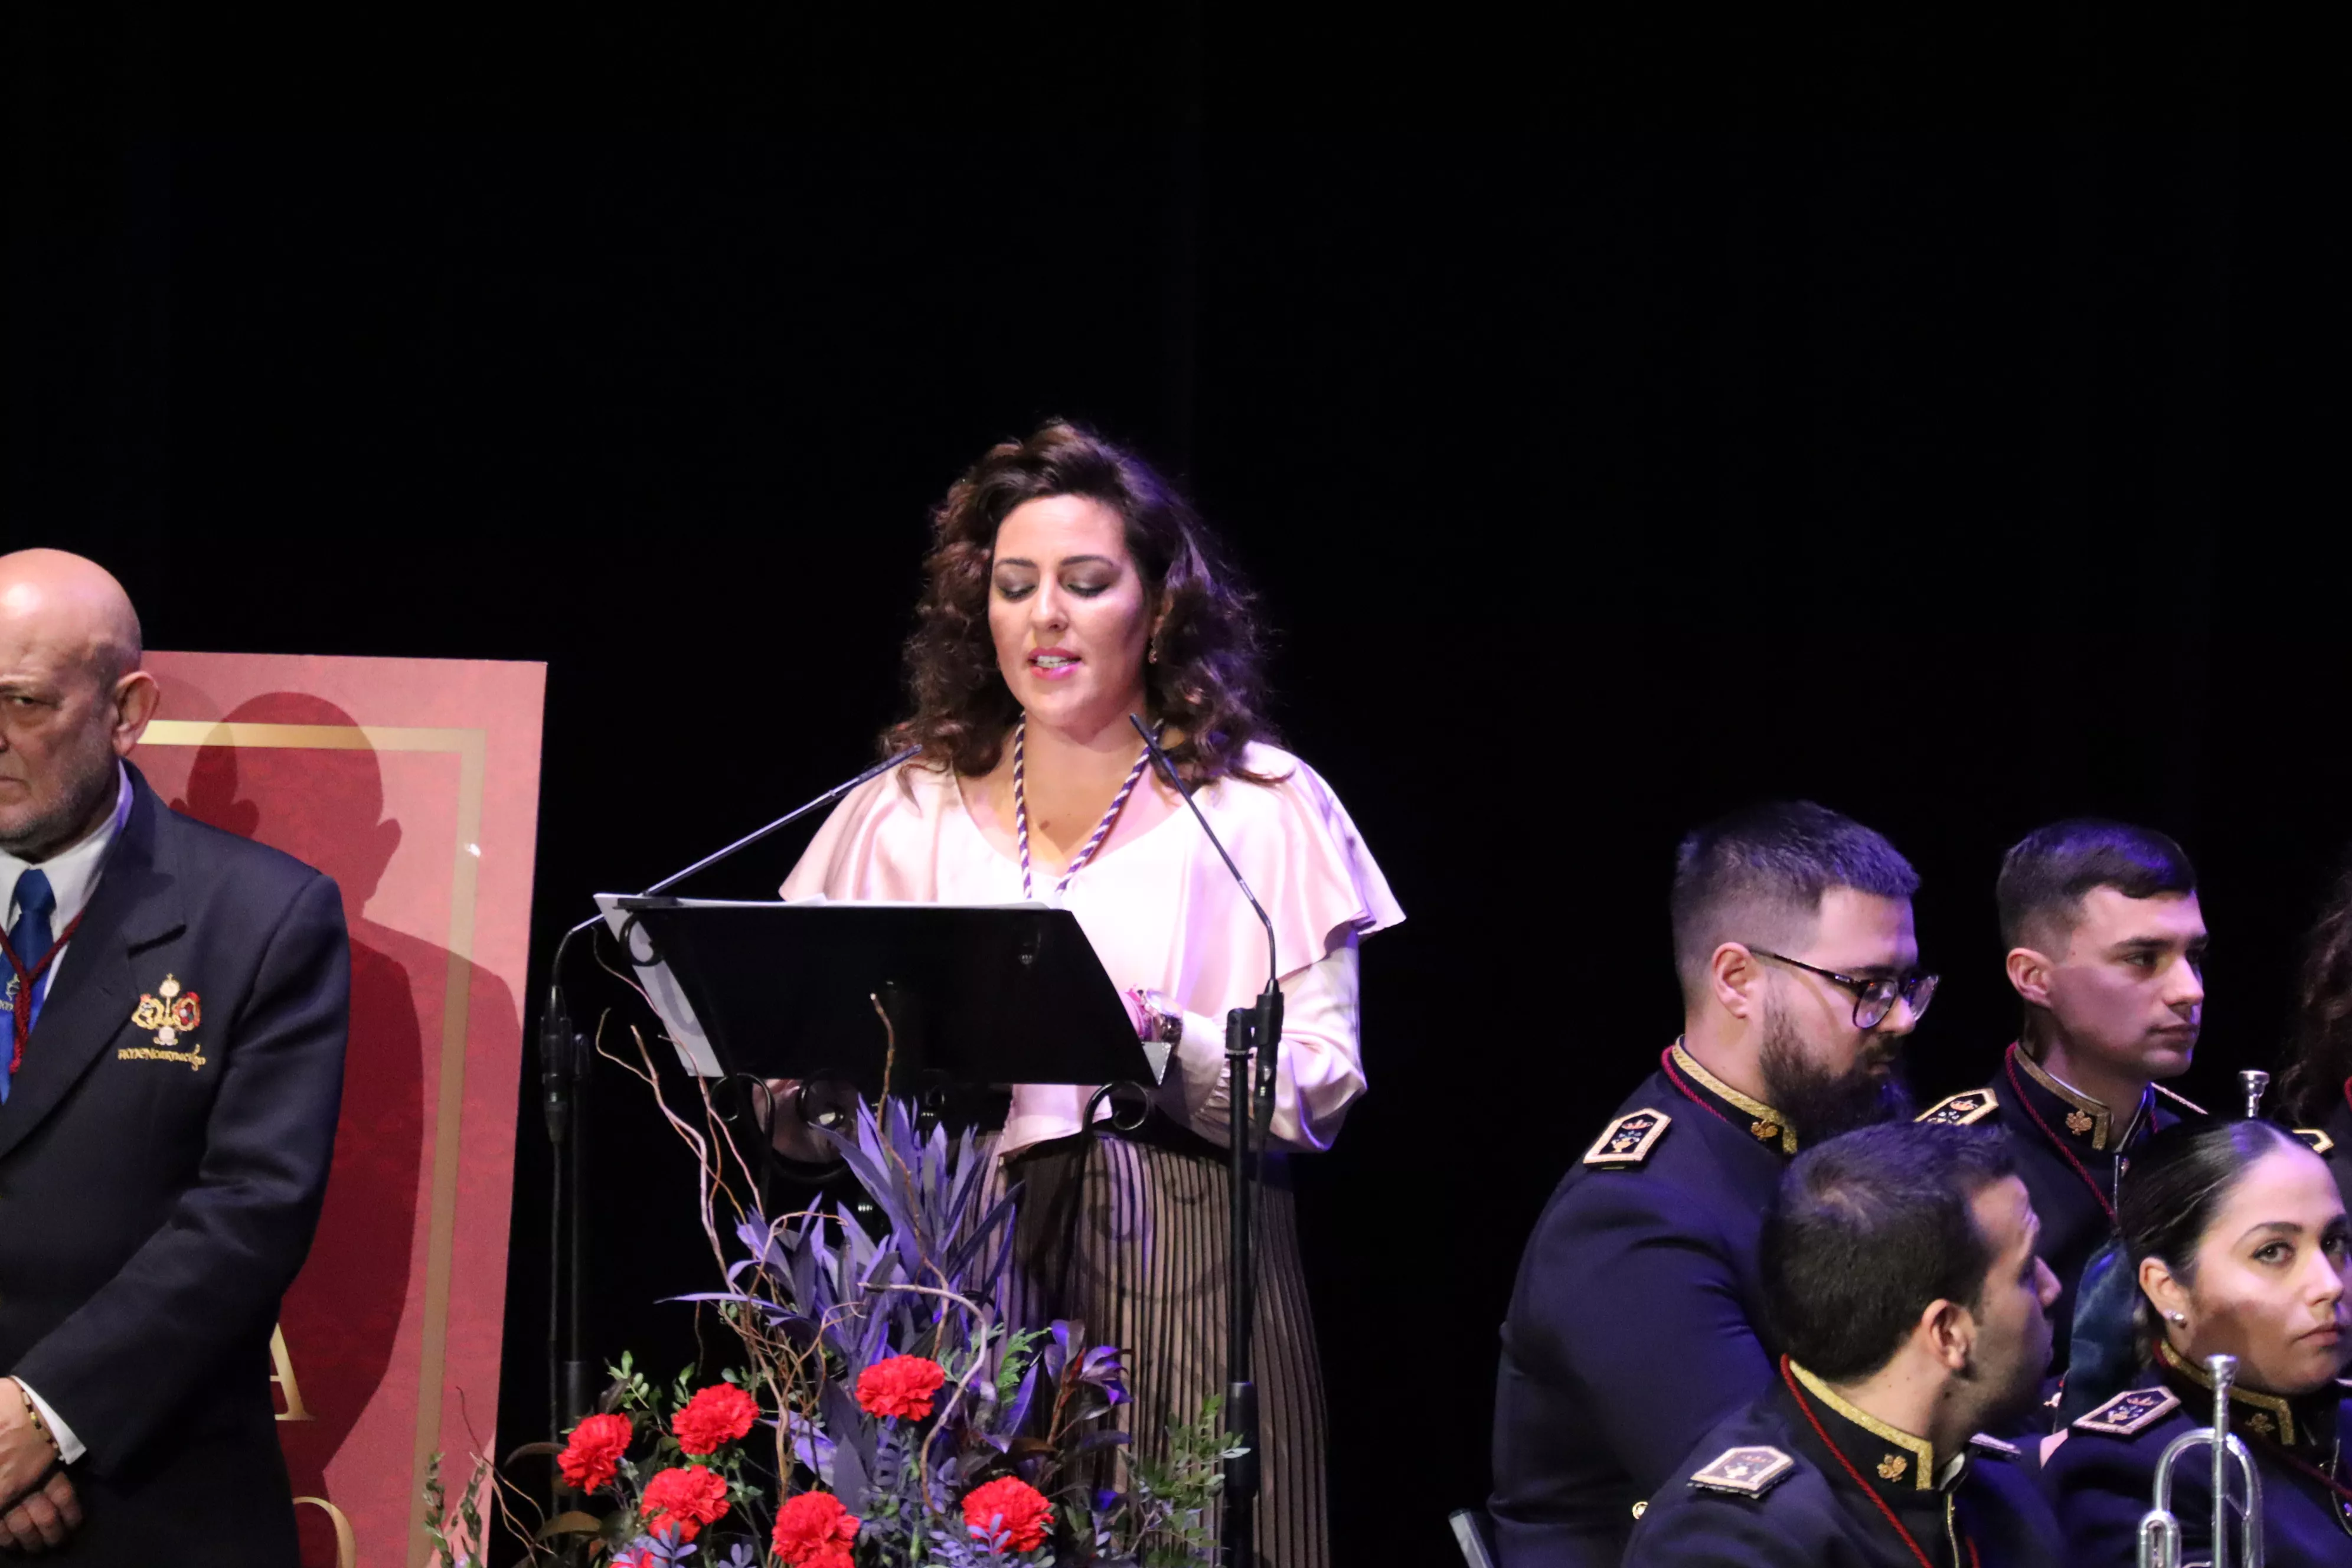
212,1275
1644,1310
1710,1534
2100,1486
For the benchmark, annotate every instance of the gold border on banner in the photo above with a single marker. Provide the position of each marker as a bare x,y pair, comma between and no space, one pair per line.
470,747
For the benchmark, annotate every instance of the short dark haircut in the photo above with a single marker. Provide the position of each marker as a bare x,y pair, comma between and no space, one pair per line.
1867,1231
2171,1189
2046,875
1759,874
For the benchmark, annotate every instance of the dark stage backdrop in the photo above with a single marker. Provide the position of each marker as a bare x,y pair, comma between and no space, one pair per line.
1596,484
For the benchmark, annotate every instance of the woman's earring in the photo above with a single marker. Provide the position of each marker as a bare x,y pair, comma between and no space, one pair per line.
1151,651
2178,1319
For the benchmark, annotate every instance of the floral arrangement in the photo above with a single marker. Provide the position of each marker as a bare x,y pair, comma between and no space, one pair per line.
881,1414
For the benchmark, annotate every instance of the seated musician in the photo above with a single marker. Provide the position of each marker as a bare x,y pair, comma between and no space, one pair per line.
2241,1240
1900,1273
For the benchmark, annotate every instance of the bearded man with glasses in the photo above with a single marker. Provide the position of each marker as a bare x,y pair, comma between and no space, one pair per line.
1637,1319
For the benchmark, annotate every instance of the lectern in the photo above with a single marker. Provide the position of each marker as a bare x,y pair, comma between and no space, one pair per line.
976,994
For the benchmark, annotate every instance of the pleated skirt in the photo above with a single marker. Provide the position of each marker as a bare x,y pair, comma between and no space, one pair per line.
1131,1238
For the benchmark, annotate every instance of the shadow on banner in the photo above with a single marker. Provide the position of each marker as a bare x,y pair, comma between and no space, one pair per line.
414,783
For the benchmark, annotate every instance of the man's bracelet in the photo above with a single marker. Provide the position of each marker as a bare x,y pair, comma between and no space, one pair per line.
33,1414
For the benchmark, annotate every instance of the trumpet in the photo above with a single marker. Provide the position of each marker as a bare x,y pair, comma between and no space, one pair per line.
2159,1531
2254,1083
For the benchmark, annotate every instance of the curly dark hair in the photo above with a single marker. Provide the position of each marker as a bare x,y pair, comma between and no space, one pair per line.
1206,686
2319,1041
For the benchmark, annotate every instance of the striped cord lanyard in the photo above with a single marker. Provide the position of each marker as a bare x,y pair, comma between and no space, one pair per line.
1021,811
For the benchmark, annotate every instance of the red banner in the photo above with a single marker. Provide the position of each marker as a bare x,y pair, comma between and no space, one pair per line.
415,784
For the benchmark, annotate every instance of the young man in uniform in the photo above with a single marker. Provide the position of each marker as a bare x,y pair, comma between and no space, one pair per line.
1634,1325
2107,952
1899,1266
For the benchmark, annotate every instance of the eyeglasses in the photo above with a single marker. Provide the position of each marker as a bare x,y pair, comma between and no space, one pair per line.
1873,999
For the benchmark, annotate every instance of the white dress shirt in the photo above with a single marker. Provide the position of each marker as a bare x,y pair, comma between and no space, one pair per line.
73,876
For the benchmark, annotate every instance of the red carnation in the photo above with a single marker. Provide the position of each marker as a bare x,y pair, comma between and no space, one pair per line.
1022,1507
903,1385
719,1414
813,1530
685,1500
597,1446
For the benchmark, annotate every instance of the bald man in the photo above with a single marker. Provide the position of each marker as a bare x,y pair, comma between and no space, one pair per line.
176,1005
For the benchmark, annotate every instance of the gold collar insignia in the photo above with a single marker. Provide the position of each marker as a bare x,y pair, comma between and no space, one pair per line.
1890,1468
2087,1118
1765,1124
2266,1415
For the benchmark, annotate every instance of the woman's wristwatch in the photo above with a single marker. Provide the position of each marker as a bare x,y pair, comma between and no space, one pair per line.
1163,1024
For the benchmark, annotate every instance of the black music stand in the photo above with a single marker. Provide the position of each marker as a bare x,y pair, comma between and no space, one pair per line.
977,995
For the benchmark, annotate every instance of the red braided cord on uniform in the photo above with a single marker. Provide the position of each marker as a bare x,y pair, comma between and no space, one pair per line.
2009,1066
1666,1060
1872,1492
2314,1472
26,982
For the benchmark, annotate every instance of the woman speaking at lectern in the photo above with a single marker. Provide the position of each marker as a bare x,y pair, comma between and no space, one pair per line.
1068,587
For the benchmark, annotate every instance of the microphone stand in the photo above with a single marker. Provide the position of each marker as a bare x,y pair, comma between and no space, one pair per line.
565,1057
1258,1026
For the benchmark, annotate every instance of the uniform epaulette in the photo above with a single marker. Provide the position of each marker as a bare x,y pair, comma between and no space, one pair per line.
1960,1109
1751,1472
1992,1445
2320,1141
2181,1100
1627,1140
2130,1411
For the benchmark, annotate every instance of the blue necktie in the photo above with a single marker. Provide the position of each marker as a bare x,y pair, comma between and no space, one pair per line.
29,939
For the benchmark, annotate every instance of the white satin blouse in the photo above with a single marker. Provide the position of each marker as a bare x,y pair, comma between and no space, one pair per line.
1162,914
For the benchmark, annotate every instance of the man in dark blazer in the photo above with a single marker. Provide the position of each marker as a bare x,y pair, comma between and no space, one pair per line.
1636,1323
178,1001
1900,1264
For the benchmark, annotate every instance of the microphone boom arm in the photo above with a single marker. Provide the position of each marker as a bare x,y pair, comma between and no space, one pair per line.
1259,1025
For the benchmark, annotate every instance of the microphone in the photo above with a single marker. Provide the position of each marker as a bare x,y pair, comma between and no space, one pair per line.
1168,769
827,798
1269,1027
1260,1024
555,1064
556,1047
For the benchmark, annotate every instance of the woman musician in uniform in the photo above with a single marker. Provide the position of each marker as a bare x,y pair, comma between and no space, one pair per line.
1069,586
2241,1249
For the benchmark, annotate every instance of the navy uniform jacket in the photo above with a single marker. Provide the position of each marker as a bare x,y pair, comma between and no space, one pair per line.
2104,1475
1636,1321
2069,1148
158,1189
1763,1488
